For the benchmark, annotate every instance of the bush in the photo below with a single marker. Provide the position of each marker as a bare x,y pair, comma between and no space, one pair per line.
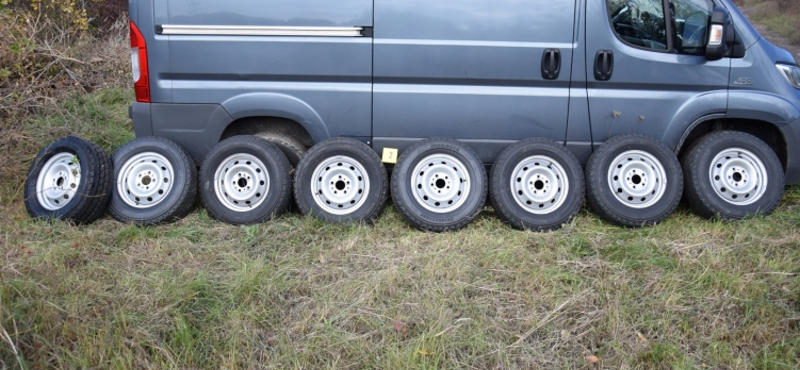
75,16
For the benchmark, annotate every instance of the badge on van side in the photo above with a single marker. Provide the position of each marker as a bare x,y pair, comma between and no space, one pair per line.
743,81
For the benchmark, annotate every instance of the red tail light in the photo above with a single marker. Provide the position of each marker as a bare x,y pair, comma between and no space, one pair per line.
141,79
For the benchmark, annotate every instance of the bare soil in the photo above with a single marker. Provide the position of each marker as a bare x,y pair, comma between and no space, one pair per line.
773,37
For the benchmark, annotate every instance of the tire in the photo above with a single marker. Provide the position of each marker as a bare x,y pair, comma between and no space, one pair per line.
633,181
715,162
245,180
419,198
341,180
151,159
69,180
291,147
536,184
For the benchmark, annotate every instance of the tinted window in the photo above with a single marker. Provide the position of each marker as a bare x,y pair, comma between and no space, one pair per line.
691,25
640,23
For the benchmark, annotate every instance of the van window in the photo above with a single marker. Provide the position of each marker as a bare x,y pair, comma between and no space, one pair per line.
640,23
691,25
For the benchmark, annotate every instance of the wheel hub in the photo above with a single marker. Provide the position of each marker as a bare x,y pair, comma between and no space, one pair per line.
340,185
539,185
440,183
738,176
637,179
145,180
58,181
241,182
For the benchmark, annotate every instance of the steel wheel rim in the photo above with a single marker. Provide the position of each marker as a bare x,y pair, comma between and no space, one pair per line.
637,179
340,185
241,182
440,183
58,181
145,180
738,176
539,185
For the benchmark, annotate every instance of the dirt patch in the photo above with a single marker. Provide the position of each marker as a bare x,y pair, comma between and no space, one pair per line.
771,36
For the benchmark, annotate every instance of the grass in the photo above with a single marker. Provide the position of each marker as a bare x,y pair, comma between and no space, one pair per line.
299,294
779,16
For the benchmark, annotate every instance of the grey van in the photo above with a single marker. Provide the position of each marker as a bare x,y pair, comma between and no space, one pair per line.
656,99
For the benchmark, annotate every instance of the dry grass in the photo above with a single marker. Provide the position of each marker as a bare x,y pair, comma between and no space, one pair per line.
299,294
781,16
41,65
296,293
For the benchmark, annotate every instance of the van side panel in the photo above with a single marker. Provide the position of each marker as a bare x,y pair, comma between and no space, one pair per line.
470,69
322,82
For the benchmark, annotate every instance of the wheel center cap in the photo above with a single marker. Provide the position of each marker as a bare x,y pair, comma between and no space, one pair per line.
636,179
737,177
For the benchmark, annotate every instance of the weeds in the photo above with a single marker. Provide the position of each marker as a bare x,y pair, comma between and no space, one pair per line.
781,16
298,293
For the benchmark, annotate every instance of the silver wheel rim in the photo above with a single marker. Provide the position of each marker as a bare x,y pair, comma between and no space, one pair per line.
539,185
440,183
145,180
340,185
637,179
58,181
241,182
738,176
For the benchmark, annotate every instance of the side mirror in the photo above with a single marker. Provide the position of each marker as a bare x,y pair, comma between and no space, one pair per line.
721,34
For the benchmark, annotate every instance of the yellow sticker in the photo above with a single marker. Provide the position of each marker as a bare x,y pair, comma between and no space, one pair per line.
389,155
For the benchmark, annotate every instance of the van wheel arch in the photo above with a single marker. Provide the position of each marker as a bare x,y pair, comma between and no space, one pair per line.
765,131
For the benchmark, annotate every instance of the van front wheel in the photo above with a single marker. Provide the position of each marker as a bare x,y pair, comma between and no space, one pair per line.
732,175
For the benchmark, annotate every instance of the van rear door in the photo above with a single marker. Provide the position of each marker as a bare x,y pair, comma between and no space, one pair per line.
484,71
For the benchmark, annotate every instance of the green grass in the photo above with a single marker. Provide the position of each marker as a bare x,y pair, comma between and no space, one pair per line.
296,293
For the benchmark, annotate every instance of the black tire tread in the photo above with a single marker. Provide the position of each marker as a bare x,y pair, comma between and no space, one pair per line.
504,212
407,213
593,191
291,147
700,203
97,172
186,198
352,144
286,188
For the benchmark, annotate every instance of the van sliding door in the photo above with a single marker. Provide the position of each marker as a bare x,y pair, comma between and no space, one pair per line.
484,71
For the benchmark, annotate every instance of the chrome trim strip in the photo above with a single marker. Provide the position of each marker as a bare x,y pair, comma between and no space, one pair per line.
262,31
500,44
470,90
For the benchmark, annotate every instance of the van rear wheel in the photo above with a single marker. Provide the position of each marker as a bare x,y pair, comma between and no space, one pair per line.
245,180
634,180
341,180
439,184
732,175
291,147
536,184
156,182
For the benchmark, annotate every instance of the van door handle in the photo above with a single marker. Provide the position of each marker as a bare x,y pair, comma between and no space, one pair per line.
551,64
603,65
